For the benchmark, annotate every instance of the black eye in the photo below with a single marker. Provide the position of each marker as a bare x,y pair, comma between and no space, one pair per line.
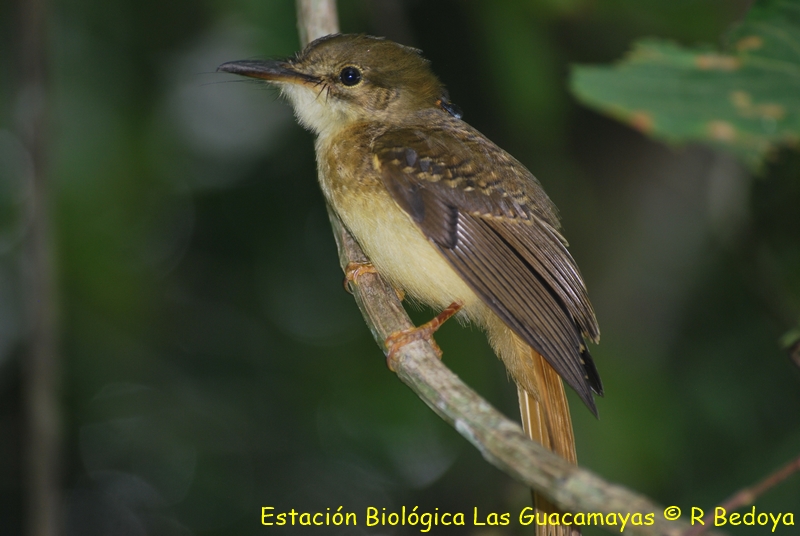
350,76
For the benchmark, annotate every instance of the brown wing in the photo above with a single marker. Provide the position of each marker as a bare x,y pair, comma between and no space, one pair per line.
492,221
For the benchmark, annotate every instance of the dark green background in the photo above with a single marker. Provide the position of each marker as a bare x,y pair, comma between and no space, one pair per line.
212,363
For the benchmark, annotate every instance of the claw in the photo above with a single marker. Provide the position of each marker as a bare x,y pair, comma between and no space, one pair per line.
354,270
398,339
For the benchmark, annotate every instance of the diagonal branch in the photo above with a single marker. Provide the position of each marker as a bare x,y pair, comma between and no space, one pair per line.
500,441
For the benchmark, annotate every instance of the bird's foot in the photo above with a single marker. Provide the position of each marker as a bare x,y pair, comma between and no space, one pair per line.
398,339
354,270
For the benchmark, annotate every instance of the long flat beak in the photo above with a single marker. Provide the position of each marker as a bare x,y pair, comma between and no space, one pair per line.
271,70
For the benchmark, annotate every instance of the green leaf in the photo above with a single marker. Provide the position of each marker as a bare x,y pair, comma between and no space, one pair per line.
745,97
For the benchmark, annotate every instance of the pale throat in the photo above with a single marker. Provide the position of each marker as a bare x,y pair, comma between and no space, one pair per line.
316,110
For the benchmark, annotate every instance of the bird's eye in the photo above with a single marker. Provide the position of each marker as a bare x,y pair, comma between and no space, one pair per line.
350,76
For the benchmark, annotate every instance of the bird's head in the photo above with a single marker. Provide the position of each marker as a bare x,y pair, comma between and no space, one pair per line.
338,80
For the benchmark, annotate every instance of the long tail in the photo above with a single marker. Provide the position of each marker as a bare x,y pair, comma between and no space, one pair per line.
544,411
538,423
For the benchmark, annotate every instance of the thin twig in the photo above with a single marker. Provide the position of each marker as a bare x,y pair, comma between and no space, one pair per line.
748,496
500,441
40,365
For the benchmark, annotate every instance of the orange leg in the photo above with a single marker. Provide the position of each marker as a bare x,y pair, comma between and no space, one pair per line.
354,270
398,339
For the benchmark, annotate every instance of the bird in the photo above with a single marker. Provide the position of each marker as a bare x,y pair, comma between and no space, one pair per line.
446,217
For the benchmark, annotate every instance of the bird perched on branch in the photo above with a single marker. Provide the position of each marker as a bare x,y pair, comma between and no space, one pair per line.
446,216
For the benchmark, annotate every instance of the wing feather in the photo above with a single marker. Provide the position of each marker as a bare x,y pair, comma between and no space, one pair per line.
492,221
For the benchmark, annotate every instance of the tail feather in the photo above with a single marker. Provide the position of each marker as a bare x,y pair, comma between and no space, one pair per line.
546,419
536,424
551,410
543,408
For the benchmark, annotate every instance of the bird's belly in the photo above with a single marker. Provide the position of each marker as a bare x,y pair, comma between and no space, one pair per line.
401,252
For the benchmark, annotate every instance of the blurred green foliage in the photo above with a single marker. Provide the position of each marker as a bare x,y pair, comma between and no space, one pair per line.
213,365
746,98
